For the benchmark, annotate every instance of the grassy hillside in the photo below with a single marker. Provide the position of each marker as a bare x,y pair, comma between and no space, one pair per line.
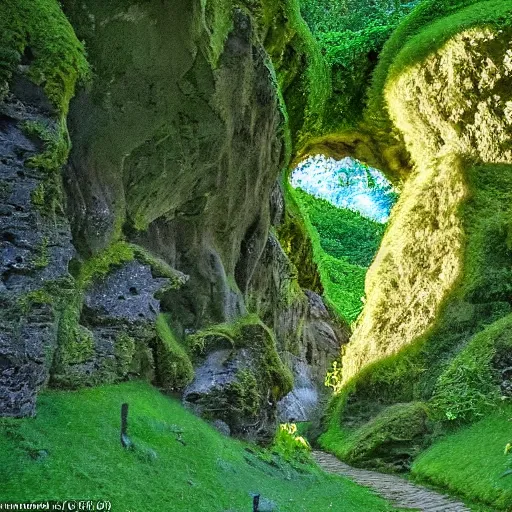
72,451
345,245
470,462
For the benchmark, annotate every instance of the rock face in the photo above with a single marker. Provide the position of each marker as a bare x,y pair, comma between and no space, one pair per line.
435,330
35,251
115,330
163,229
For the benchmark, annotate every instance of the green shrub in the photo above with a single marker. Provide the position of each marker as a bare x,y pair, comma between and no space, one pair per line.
290,444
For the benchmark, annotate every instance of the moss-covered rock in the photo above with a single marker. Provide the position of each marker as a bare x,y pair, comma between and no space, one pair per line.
446,132
174,368
389,441
438,295
241,378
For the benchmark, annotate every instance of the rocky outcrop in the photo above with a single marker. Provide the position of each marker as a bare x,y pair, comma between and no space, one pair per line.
457,127
435,325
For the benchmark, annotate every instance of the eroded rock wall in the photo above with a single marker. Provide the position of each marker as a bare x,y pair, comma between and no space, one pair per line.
164,230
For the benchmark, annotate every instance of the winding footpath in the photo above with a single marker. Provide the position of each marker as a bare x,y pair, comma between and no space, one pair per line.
399,492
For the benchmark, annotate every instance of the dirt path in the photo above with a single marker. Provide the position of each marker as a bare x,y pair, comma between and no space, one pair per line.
399,492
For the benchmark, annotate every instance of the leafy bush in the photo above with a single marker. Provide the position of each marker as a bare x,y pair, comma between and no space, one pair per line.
290,444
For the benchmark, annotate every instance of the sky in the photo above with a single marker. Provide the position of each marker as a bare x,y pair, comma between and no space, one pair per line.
347,184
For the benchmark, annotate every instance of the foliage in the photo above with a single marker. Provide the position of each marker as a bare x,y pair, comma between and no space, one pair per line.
339,15
351,34
306,82
470,461
344,244
468,388
333,377
73,446
343,233
290,444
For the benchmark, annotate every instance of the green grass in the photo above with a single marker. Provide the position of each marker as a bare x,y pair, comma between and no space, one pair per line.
344,244
180,463
471,461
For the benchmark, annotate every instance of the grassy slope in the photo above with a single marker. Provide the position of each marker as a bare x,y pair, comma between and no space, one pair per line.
345,244
471,461
80,432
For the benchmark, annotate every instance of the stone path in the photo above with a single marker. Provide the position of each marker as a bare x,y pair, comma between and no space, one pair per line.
399,492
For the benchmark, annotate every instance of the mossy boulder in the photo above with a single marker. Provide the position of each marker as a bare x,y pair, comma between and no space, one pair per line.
240,383
389,441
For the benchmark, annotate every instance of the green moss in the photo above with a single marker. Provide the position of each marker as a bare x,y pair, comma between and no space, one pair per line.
38,196
294,237
173,366
158,266
218,335
56,146
468,388
117,253
238,399
423,32
57,57
48,195
100,265
124,350
56,61
218,18
75,342
303,74
36,297
42,259
251,333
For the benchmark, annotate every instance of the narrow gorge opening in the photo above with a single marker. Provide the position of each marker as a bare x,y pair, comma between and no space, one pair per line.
347,206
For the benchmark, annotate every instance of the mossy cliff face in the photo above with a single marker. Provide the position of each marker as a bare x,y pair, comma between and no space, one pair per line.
453,111
37,78
164,224
438,294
